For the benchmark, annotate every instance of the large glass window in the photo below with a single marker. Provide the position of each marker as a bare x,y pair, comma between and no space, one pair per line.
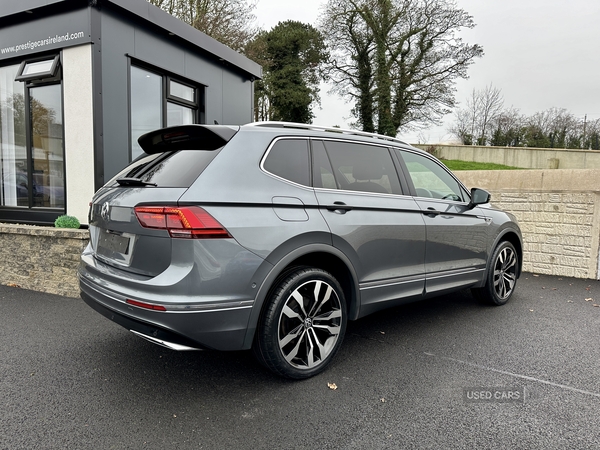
158,100
146,106
31,140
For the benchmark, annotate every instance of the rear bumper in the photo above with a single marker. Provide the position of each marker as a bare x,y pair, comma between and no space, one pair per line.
222,329
150,332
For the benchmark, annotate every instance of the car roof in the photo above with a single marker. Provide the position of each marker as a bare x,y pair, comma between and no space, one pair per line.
212,137
328,132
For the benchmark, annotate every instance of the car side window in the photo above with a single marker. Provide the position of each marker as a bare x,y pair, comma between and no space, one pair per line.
322,171
289,159
430,179
362,167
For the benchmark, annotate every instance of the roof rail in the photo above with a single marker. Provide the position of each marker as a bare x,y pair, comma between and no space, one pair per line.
304,126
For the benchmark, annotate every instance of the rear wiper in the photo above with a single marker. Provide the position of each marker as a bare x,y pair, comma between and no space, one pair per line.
131,181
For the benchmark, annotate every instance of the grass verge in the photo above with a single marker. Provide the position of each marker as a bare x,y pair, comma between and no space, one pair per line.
453,164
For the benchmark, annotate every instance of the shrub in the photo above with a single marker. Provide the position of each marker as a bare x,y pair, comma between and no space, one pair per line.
66,222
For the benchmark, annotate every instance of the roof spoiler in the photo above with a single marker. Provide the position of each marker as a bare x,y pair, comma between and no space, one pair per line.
187,137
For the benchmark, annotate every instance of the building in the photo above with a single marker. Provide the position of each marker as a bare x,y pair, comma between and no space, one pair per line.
81,80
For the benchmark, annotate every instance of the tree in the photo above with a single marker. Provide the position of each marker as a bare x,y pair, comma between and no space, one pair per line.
483,121
397,60
473,124
508,129
291,55
228,21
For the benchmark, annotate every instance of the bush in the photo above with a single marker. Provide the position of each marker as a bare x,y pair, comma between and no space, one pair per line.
67,222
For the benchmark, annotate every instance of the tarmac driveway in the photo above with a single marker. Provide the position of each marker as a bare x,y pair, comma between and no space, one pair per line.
441,374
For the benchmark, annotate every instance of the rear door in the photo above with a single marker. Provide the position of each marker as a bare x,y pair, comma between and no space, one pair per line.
117,238
380,229
457,234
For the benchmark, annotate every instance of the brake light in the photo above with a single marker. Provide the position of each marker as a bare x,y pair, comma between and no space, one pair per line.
189,222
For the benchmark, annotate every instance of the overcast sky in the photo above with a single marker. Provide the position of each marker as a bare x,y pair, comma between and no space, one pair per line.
540,53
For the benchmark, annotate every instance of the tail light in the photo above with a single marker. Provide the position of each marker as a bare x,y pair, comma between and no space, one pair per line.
189,222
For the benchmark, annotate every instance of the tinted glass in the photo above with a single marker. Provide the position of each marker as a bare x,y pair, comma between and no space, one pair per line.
176,169
430,179
322,171
288,158
361,167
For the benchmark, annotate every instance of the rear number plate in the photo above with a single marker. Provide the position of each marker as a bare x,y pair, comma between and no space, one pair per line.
115,246
114,242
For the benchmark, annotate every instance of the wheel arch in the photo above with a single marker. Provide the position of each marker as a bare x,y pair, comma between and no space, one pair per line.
321,256
514,238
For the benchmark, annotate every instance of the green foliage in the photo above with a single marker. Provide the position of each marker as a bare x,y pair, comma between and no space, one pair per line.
291,55
471,165
67,222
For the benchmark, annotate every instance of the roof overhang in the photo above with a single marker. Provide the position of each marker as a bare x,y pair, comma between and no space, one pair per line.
142,10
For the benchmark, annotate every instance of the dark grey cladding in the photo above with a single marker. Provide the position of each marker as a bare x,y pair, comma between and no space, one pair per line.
141,10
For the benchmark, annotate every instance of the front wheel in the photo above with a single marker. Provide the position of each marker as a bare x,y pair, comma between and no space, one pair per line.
303,325
501,277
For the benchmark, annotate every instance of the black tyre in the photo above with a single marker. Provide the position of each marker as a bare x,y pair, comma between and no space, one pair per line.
501,277
303,325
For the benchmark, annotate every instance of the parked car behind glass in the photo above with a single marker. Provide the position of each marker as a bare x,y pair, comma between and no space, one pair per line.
271,236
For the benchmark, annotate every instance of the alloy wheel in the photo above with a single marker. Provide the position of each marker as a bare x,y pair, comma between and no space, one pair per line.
309,324
505,273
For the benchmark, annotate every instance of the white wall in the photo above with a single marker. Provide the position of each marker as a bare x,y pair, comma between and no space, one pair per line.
79,129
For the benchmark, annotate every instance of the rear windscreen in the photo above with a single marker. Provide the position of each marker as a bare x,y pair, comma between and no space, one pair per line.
170,169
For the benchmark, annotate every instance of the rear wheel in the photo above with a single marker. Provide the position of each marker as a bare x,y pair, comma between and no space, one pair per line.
502,276
303,325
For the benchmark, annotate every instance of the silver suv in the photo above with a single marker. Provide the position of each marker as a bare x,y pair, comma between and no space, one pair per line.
271,236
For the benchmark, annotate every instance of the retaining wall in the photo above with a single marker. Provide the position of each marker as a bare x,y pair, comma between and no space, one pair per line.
559,215
524,157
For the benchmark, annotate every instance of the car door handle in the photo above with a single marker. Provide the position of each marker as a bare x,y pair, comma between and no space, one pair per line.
339,207
431,212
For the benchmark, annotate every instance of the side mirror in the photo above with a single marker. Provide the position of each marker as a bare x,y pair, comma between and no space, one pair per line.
479,197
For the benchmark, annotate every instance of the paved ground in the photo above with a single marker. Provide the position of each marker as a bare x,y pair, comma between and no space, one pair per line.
71,379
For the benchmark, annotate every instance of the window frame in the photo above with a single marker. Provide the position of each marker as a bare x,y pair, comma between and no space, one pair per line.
197,106
32,214
52,73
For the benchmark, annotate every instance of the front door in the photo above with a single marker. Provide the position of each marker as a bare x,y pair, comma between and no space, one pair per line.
457,235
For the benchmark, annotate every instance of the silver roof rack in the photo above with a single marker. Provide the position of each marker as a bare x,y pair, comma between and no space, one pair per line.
304,126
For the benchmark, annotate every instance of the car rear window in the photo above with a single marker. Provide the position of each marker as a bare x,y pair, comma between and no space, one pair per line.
170,169
289,159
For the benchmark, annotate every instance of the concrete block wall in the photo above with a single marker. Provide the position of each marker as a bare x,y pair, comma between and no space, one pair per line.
559,215
558,230
43,259
524,157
